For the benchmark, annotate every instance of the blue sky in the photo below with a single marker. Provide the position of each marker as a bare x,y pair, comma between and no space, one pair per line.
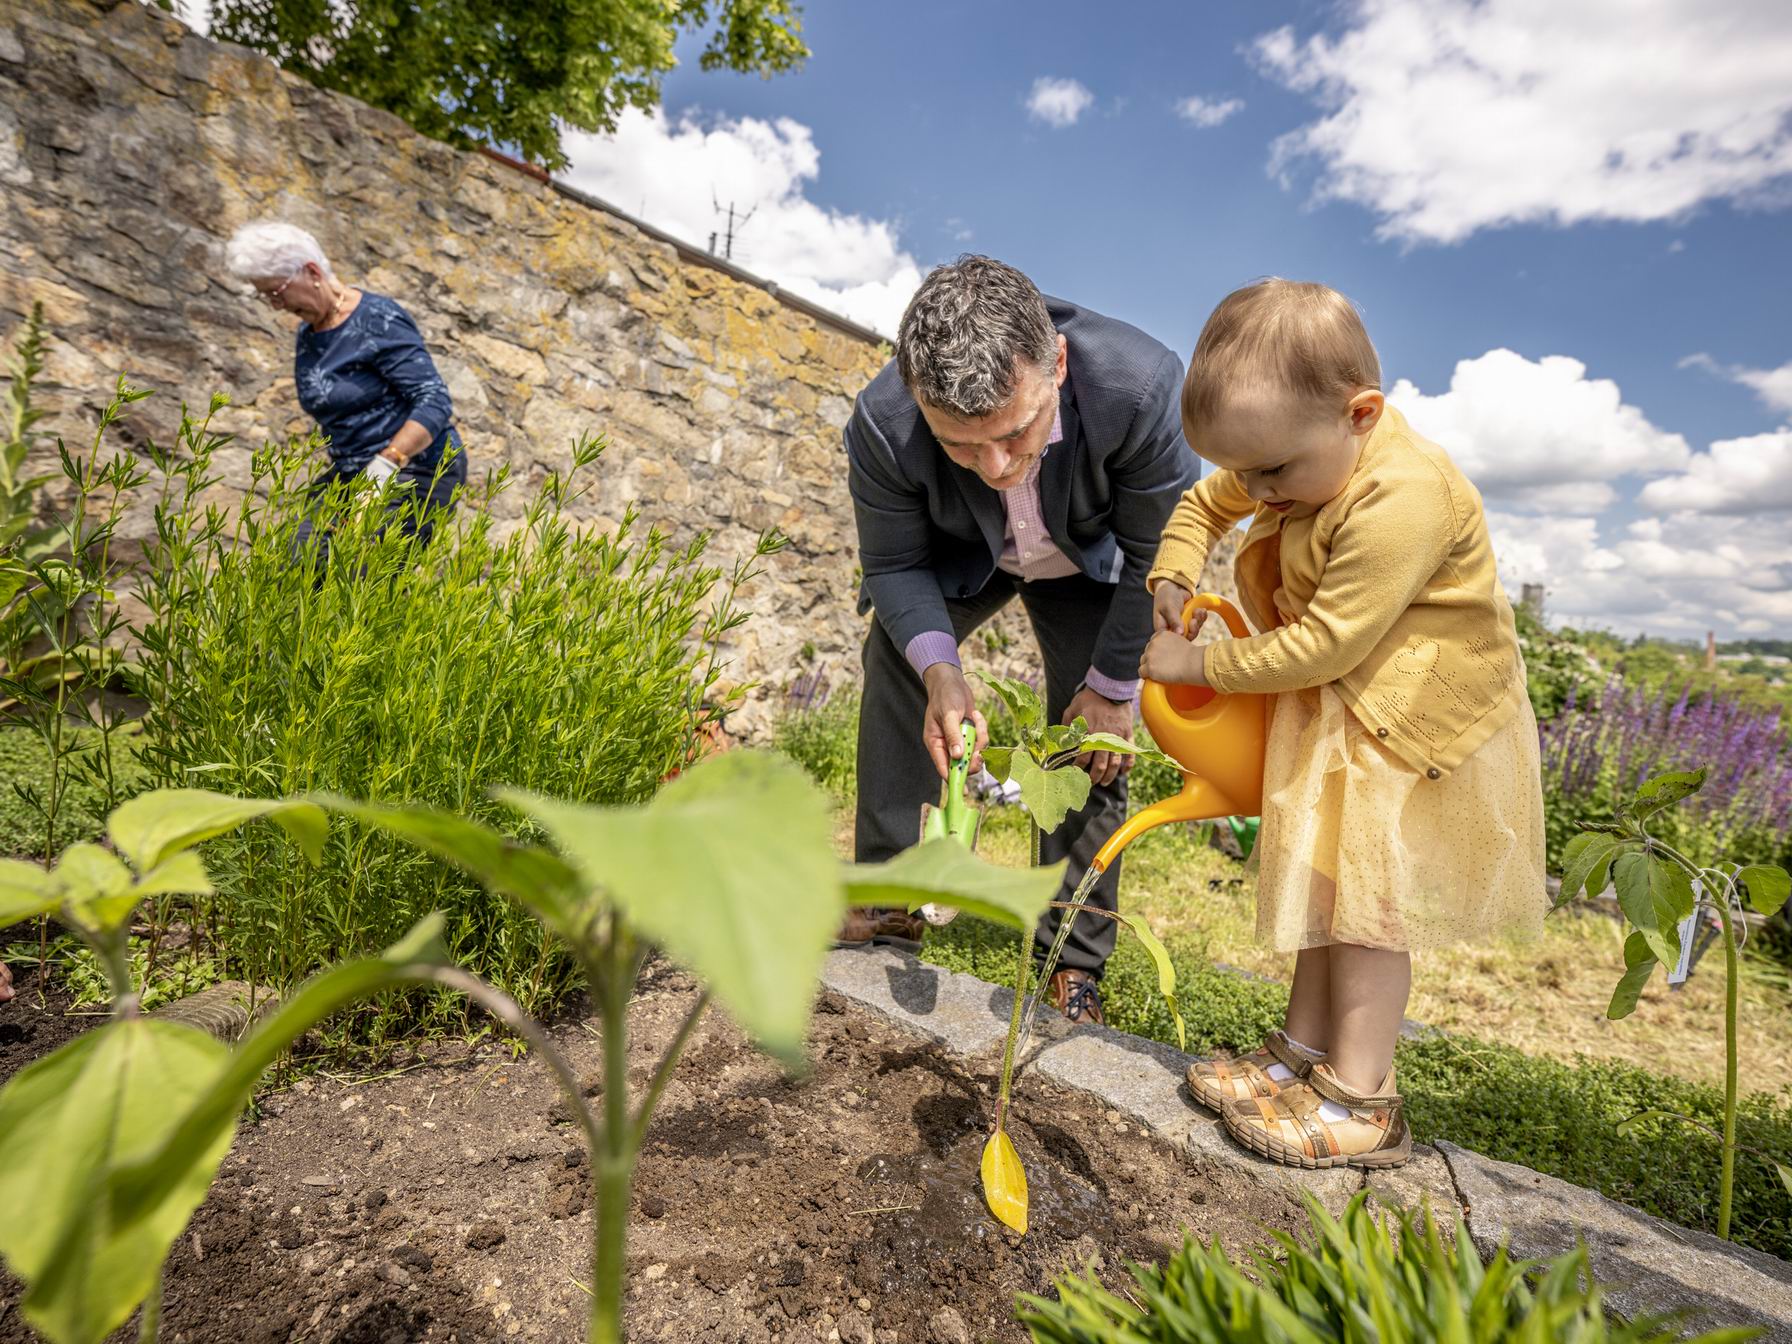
919,113
1569,227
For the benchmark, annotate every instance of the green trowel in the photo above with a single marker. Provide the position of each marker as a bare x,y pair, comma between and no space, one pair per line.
955,816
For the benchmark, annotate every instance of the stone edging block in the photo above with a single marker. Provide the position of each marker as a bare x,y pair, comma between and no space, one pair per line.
1647,1265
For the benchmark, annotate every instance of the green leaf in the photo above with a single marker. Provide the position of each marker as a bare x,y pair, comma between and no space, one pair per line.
110,1096
95,887
1767,887
997,760
1665,790
25,891
1655,896
1639,962
1022,701
1785,1175
180,874
1050,795
731,870
1110,742
1588,856
537,878
1630,1122
945,872
137,1188
154,825
1166,972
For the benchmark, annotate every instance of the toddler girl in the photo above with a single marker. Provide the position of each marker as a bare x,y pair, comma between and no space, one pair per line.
1402,807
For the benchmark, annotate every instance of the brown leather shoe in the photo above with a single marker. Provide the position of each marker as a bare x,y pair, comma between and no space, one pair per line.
1077,995
884,926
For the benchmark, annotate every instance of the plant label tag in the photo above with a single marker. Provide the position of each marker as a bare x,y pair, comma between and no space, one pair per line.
1689,928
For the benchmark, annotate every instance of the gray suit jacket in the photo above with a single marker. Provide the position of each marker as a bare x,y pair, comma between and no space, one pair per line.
929,529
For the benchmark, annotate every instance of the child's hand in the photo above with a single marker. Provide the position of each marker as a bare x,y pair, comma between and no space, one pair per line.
1176,661
1167,606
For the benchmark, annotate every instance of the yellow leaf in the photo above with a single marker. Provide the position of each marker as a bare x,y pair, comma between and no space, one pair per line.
1005,1182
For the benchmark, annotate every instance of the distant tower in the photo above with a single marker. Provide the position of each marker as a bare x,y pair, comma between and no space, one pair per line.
1531,599
1711,651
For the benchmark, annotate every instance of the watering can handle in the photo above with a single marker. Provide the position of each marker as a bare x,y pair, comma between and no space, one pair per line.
1214,602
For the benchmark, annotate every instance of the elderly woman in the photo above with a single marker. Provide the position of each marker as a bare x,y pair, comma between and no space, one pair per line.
362,373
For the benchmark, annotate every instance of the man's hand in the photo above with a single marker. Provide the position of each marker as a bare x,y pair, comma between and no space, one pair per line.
949,703
1175,661
1103,716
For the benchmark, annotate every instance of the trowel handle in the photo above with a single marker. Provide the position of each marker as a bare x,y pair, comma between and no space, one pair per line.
1214,602
955,805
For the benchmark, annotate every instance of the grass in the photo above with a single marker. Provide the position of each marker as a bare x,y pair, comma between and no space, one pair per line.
1470,1086
24,765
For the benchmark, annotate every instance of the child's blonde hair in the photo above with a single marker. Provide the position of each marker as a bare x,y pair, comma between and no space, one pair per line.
1290,335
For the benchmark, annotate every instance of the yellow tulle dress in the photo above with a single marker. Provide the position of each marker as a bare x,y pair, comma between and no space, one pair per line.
1358,847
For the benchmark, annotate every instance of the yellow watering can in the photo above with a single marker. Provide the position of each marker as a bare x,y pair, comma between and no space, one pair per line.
1217,739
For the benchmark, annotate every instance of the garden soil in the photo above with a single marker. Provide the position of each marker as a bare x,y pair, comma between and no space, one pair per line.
450,1200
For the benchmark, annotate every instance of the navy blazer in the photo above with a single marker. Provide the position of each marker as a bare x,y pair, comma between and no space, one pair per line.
930,529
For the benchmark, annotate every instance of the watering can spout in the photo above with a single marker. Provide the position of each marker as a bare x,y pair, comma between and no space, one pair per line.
1217,739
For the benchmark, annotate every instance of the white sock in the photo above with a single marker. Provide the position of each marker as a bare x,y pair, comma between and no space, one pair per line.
1332,1112
1281,1073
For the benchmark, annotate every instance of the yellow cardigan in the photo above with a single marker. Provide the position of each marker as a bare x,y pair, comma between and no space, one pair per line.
1390,593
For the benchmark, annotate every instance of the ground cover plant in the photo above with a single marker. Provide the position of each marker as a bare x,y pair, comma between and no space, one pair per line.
546,656
1663,894
1392,1280
114,1139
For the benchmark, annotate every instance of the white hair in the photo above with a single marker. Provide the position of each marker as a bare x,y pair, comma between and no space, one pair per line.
269,250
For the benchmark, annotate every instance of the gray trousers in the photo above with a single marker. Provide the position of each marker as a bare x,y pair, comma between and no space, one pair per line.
896,775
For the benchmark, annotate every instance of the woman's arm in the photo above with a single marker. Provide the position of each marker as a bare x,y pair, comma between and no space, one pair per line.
404,362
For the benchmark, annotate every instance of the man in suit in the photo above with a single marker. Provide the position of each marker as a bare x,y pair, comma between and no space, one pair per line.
1016,446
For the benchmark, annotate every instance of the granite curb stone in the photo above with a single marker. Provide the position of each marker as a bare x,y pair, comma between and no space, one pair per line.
1647,1265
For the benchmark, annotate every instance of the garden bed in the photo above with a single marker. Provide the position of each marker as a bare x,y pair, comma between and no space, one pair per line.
450,1201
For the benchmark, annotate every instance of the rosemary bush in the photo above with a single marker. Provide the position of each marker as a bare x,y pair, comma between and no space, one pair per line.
555,659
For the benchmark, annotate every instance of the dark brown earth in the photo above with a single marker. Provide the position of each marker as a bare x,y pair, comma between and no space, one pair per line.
450,1202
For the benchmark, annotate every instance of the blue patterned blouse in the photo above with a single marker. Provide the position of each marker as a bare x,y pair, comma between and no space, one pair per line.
362,380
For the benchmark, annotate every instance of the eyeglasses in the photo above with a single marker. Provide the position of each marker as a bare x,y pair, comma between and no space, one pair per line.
272,296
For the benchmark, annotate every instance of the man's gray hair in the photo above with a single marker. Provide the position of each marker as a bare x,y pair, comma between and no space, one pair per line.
270,250
968,332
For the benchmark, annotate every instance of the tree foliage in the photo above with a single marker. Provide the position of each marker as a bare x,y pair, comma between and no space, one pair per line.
506,74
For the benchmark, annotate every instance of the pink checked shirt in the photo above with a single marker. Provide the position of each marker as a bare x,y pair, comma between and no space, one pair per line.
1030,554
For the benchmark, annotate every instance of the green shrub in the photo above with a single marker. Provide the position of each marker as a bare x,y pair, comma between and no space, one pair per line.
555,659
25,770
1391,1280
825,742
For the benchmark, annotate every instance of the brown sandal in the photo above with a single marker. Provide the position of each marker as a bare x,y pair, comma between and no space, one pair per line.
1288,1128
1217,1082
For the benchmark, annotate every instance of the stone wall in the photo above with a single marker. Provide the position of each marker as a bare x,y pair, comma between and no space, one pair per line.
131,148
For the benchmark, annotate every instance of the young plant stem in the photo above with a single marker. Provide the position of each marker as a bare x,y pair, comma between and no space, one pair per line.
1022,968
1727,1177
662,1073
151,1325
612,1163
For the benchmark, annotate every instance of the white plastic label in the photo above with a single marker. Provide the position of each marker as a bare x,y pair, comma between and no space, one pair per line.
1689,928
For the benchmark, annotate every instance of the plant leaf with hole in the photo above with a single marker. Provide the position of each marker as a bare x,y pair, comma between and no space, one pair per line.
1767,887
731,871
1050,795
1588,857
1166,971
107,1097
945,872
1664,790
1639,963
1655,897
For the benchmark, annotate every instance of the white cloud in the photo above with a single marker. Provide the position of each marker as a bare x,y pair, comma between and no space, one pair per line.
1540,434
1773,386
1449,116
673,172
1737,476
1058,102
1206,113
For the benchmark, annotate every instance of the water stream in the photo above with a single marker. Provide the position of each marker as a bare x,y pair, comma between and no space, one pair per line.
1079,899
